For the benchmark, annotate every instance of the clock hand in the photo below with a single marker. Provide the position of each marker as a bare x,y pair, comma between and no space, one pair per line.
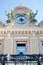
21,19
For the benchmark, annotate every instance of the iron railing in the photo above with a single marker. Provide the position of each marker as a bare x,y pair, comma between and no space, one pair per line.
21,58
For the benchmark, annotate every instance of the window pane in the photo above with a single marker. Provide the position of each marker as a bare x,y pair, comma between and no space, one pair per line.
25,63
42,47
9,63
21,49
18,63
32,63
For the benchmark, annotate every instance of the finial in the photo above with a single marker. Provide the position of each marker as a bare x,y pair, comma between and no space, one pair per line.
21,5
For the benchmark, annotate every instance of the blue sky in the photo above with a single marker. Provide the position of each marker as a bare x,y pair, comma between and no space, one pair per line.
7,5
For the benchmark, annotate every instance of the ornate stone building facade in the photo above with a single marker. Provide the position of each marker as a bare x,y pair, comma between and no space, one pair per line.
21,36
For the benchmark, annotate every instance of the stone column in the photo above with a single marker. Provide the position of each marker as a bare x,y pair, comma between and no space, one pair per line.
34,42
8,45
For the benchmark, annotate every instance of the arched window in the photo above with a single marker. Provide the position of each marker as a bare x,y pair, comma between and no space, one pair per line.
21,48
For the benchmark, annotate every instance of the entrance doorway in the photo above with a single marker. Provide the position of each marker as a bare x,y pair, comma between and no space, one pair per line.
21,63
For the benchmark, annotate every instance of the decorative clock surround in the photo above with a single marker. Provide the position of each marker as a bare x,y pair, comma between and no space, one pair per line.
20,18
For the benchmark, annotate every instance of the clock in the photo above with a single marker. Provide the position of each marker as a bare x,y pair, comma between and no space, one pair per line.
20,18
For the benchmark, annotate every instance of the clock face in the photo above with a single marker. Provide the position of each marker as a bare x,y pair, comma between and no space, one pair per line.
20,18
